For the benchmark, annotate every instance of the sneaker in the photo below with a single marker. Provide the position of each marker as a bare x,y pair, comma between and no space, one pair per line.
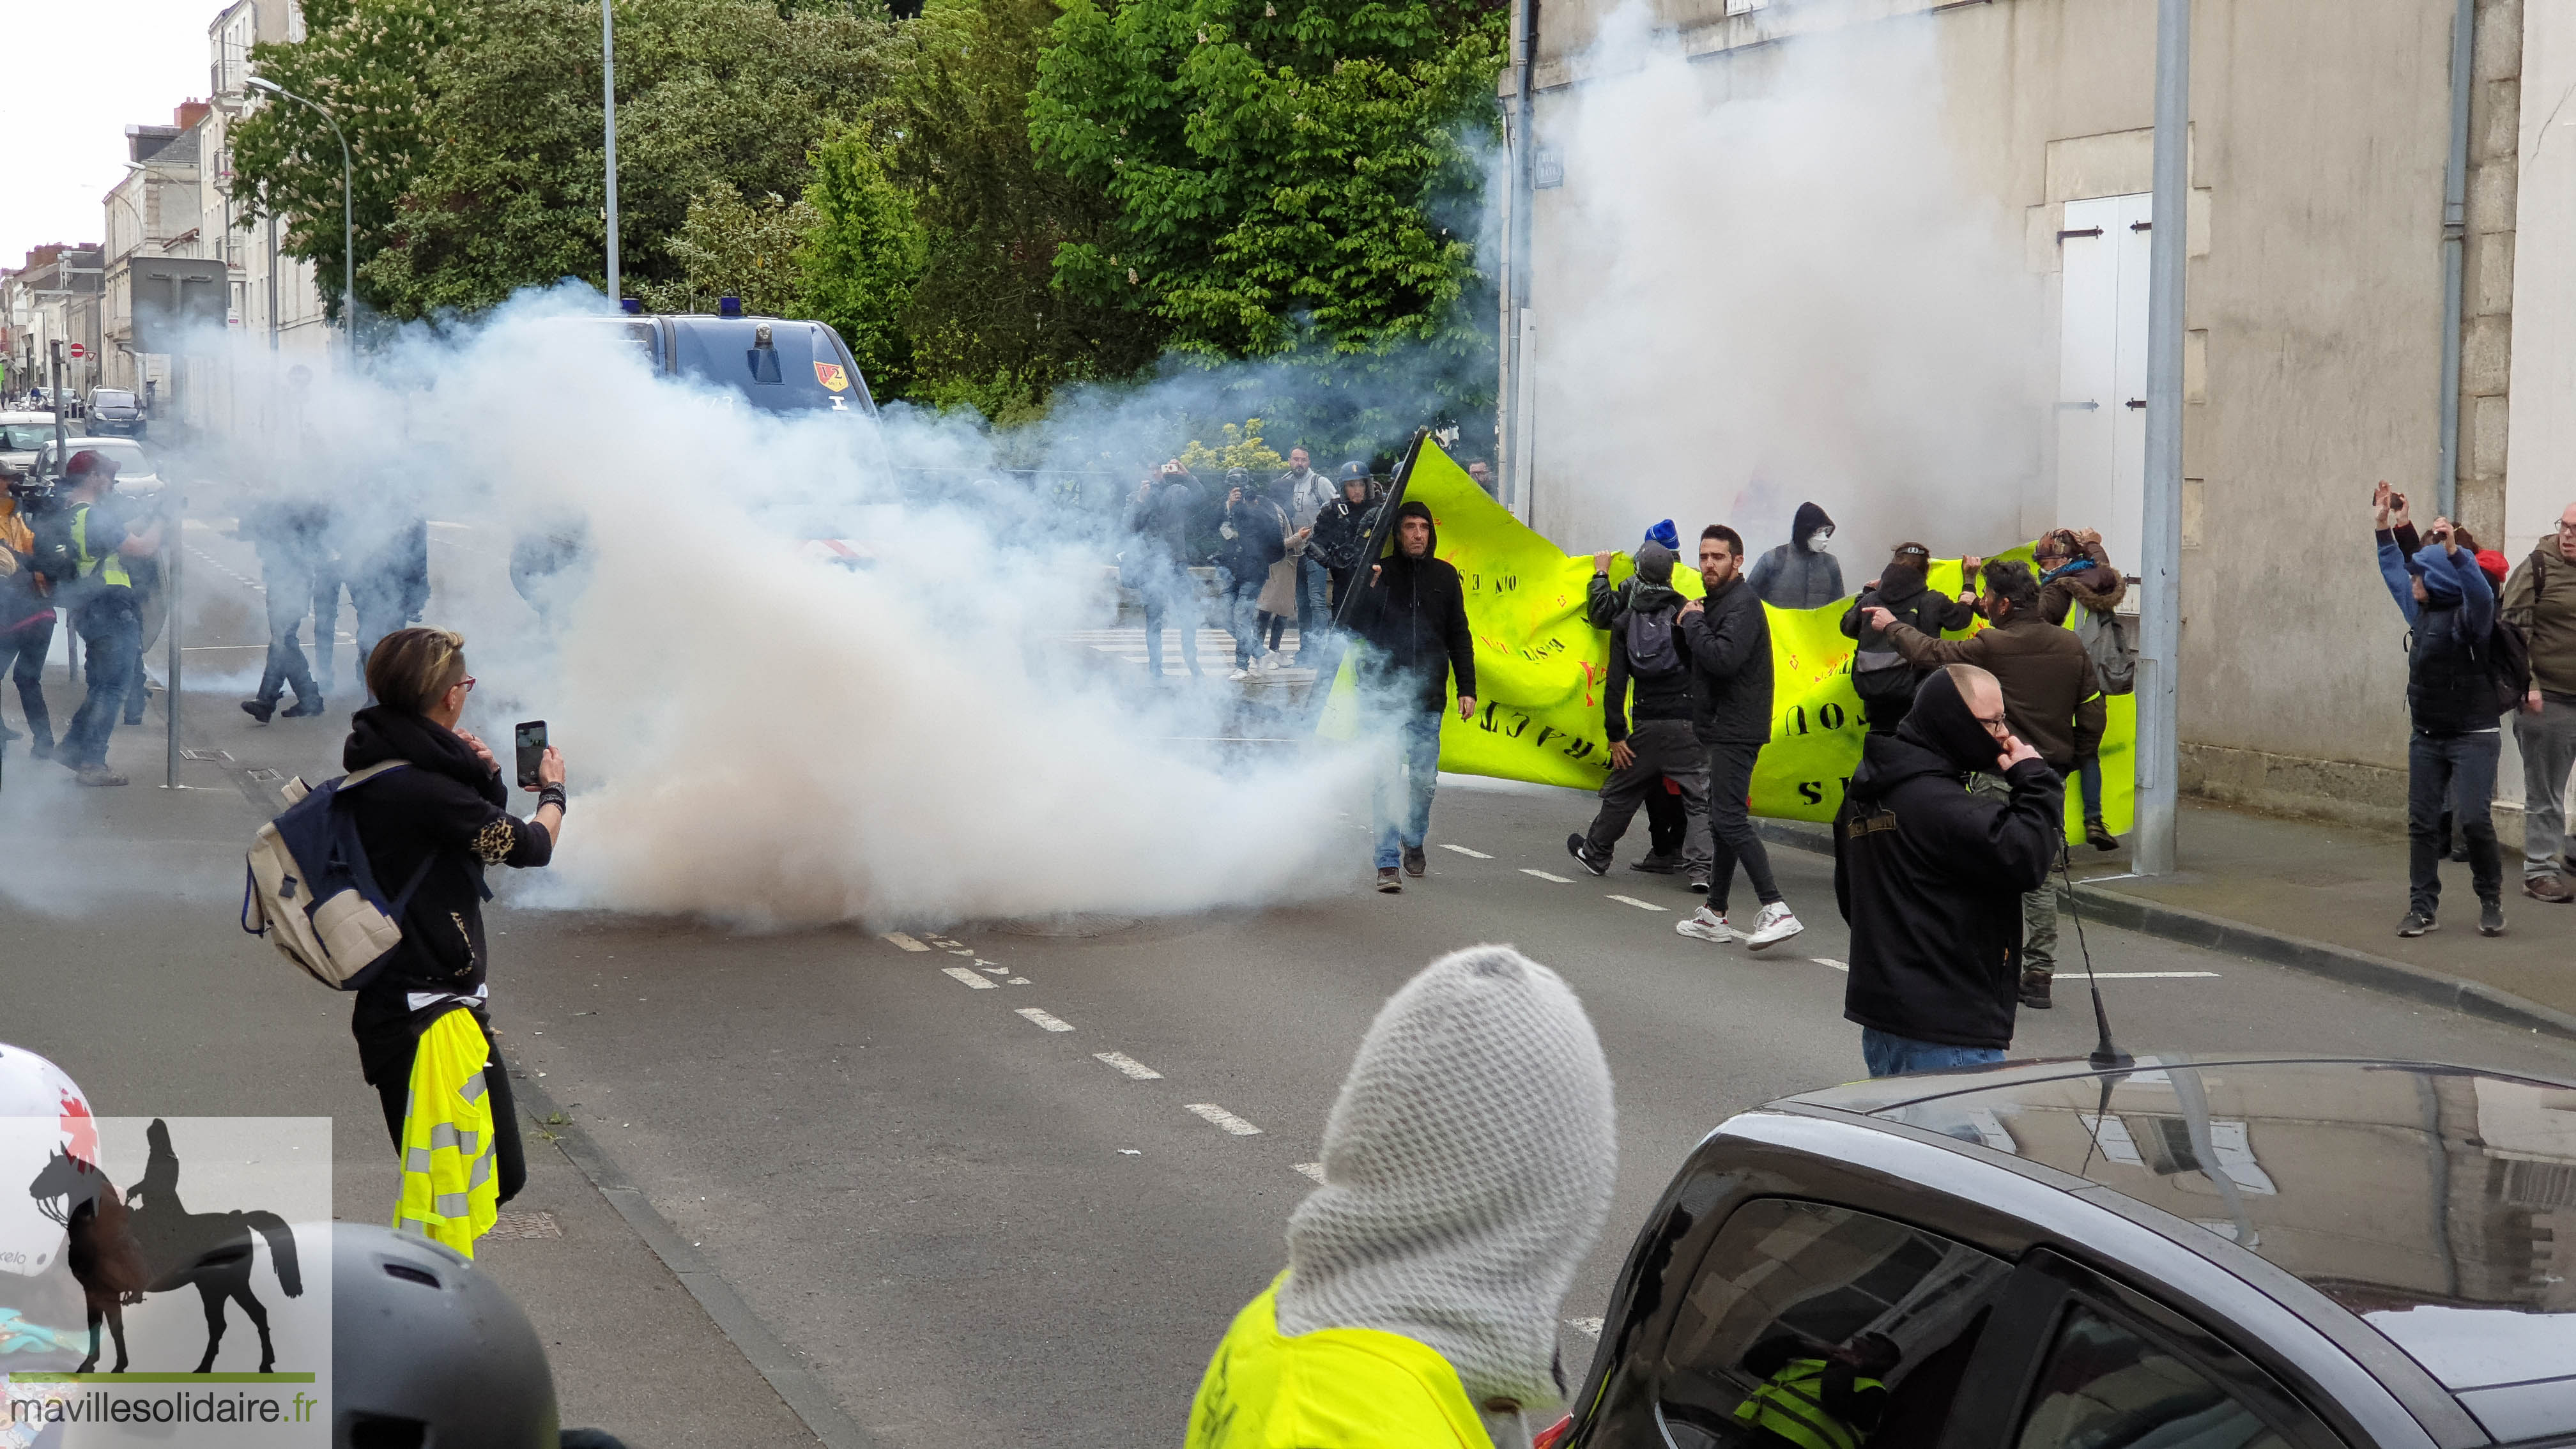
1598,865
305,708
1653,864
1775,925
1707,925
99,775
2491,918
2416,924
258,709
1699,885
1240,675
2034,990
2548,888
1414,864
1388,881
2098,835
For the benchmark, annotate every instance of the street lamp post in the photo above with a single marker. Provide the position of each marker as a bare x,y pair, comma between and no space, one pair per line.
608,108
2159,751
348,222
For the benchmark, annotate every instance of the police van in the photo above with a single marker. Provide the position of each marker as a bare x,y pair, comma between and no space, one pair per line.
777,364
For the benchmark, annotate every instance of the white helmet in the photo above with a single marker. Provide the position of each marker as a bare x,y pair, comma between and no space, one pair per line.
48,1159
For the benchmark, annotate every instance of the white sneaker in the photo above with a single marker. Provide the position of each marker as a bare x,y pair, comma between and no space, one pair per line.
1776,925
1707,925
1240,675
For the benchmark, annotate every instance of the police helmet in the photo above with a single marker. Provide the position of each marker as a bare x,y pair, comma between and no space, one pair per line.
427,1349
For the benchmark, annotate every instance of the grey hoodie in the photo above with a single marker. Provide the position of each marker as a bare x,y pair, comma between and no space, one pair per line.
1468,1164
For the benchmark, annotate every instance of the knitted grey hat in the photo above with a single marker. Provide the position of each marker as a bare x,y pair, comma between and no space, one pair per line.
1468,1165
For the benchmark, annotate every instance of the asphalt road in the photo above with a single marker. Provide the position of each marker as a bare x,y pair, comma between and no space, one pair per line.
915,1166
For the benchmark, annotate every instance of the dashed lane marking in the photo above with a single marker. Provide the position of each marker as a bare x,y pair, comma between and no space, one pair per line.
1462,850
1829,961
1218,1116
1543,875
1121,1062
1017,981
970,978
1037,1018
1314,1170
1640,905
906,942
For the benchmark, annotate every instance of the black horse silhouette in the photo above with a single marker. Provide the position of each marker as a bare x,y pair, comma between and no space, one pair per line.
161,1248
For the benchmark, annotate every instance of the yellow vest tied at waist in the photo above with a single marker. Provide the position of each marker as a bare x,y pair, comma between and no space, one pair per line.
1791,1405
449,1190
1335,1388
110,567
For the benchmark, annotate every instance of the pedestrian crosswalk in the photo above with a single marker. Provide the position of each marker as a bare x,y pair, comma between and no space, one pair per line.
1215,649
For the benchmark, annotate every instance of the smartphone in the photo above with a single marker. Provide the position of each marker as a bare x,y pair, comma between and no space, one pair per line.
532,750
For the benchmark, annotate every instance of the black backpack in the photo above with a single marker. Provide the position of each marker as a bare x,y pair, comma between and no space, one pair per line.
2509,663
1652,654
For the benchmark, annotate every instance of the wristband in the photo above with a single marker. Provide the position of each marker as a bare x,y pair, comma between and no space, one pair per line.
551,795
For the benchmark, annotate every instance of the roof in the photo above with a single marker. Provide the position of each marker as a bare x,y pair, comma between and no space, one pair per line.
2435,1202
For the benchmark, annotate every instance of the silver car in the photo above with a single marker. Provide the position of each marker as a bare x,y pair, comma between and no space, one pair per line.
21,435
136,472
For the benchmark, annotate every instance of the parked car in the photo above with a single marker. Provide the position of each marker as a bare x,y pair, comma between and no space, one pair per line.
22,434
136,472
2239,1254
114,410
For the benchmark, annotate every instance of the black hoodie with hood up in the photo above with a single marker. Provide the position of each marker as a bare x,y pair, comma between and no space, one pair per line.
1794,576
1416,617
1930,878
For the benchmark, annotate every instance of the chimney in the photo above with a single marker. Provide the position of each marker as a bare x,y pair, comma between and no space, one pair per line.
190,113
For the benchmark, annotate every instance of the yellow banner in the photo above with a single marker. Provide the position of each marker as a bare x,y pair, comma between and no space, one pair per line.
1540,668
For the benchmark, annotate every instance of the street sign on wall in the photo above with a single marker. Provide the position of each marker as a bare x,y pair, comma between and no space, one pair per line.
180,304
79,352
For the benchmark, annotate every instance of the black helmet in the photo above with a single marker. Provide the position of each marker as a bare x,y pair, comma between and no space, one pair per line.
1238,475
427,1347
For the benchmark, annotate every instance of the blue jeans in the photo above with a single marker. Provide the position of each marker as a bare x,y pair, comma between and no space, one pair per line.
2453,773
2088,771
1412,771
1890,1055
1238,611
112,635
1314,602
1176,593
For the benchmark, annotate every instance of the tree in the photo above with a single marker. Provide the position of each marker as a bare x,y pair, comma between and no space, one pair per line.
732,247
861,256
1292,179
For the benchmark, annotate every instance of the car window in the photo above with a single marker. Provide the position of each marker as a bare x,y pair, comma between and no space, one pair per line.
1824,1327
2106,1387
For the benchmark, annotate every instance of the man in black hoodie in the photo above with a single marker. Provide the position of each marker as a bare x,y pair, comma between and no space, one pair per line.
1730,649
1412,612
430,829
1648,648
1930,877
1800,574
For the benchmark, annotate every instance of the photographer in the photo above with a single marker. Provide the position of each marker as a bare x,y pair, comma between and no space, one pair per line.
85,556
2451,695
26,617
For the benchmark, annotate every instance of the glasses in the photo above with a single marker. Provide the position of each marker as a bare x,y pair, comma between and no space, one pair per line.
2567,528
1995,726
469,684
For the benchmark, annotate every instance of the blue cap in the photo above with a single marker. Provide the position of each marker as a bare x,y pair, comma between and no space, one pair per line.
1665,534
728,306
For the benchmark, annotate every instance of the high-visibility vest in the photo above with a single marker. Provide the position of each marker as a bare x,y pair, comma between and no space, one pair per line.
110,567
1335,1388
449,1191
1792,1405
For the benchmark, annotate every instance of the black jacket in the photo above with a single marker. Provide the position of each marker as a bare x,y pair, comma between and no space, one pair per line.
1341,532
1730,649
1664,697
1260,538
1914,606
1930,879
1416,617
446,808
1162,522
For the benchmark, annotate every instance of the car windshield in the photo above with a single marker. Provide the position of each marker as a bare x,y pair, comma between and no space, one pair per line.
128,458
25,437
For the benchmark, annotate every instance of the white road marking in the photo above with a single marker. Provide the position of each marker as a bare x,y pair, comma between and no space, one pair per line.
1543,875
993,970
1588,1327
1017,981
969,977
1036,1017
1225,1119
1120,1061
1130,1152
1462,850
1640,905
1830,961
962,951
906,942
2136,975
1314,1170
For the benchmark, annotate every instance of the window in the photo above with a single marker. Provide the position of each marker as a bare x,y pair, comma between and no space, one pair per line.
2107,1388
1856,1328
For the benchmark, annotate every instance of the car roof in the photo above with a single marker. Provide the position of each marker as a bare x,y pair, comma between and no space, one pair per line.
2437,1203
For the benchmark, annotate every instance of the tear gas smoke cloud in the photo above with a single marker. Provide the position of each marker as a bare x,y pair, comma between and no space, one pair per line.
766,738
1767,279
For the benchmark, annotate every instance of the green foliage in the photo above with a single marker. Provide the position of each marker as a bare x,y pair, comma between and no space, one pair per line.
1242,448
862,254
1292,179
733,247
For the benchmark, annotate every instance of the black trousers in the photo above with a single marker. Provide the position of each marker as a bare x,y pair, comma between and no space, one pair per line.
385,1056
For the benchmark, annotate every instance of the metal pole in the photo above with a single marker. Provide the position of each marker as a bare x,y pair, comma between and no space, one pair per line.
2455,231
348,210
1518,478
2159,755
170,552
608,107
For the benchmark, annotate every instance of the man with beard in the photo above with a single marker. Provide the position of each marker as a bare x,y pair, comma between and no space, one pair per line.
1647,647
1931,877
1412,611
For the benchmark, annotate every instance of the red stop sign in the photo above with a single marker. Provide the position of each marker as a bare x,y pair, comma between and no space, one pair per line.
79,351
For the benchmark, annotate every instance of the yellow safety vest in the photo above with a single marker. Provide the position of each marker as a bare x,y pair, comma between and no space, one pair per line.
1335,1388
1792,1406
110,568
448,1187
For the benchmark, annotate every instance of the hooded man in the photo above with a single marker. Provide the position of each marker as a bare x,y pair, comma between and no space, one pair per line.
1468,1165
1881,677
1931,878
1648,649
2451,694
1412,611
1799,574
2540,601
1667,821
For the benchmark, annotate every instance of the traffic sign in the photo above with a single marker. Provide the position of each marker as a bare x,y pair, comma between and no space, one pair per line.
79,351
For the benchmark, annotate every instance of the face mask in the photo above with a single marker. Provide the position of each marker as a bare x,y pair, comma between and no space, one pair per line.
1820,540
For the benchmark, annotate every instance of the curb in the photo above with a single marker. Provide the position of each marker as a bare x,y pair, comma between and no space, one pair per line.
2318,958
805,1395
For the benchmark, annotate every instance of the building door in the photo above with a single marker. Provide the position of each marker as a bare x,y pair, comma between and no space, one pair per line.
2102,371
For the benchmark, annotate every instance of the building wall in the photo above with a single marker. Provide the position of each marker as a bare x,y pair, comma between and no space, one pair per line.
2313,358
2544,295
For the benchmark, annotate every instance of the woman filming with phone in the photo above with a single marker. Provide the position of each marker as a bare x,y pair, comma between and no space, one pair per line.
431,828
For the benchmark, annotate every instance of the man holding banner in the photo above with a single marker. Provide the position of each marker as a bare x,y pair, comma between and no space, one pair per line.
1412,611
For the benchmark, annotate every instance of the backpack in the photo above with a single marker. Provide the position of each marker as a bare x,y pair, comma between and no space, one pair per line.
311,891
2509,659
1884,682
2106,643
1649,637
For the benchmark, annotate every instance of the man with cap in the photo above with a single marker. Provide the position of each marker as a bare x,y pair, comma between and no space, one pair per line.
1654,743
1930,877
87,554
2451,695
1411,610
1667,821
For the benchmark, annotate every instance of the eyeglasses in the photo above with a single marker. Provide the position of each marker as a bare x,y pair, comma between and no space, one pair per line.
1995,726
469,684
2567,528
